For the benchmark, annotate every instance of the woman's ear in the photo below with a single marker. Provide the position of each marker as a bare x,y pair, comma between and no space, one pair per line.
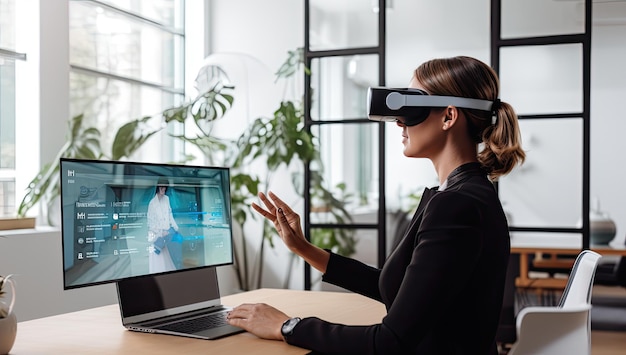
451,114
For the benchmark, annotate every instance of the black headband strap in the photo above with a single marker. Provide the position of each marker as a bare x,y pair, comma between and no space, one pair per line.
494,110
496,105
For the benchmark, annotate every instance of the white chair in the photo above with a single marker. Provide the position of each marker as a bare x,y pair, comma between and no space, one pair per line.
566,328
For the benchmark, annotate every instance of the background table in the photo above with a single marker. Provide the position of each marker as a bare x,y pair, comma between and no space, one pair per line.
537,244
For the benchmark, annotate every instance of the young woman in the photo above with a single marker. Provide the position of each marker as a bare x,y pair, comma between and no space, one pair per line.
160,220
443,284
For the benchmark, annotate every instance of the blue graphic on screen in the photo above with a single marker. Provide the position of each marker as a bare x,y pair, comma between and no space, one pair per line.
126,219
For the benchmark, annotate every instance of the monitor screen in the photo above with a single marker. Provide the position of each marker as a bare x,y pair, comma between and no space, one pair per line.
126,219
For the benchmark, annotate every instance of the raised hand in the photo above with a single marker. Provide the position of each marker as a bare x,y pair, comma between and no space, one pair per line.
287,224
286,221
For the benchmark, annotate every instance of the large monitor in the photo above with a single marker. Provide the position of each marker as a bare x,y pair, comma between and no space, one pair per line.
126,219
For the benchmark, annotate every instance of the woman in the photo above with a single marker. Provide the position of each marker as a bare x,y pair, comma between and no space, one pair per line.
443,284
160,220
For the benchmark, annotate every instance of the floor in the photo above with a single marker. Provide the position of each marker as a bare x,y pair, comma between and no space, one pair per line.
608,342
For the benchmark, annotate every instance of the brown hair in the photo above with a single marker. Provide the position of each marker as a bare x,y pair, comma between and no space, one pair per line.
468,77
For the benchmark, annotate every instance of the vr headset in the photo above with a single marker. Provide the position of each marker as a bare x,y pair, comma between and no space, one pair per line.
413,105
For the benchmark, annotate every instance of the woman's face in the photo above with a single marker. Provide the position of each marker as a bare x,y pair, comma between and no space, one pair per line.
161,190
422,140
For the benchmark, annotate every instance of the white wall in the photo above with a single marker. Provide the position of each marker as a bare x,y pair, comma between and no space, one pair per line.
35,260
54,79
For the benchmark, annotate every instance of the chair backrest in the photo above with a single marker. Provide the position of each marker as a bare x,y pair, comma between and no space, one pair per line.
579,286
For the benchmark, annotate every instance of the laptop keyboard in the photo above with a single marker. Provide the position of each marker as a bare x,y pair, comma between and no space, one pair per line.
195,325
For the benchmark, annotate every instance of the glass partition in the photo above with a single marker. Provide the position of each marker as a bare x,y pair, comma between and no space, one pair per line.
542,79
418,31
349,154
343,24
532,195
549,18
339,86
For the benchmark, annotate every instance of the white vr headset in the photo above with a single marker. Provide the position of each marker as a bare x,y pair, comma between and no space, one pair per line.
413,105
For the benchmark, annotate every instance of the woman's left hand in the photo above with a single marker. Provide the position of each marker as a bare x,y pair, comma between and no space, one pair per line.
259,319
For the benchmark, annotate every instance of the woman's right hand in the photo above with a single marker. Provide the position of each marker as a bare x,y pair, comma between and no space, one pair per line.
287,224
286,221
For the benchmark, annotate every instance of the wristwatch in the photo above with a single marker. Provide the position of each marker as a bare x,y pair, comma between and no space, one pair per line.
287,328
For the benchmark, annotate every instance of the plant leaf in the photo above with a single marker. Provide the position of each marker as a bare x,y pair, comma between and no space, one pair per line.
131,136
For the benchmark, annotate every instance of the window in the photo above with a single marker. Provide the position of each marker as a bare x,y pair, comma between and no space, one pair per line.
126,62
8,58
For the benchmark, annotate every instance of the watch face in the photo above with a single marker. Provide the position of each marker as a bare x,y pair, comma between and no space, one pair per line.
289,324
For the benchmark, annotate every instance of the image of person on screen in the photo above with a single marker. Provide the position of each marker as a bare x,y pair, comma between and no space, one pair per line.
445,278
161,229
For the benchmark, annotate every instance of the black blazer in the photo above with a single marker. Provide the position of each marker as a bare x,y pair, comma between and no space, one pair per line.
442,286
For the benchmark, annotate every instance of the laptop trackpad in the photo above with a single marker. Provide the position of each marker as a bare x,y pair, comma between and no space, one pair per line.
219,332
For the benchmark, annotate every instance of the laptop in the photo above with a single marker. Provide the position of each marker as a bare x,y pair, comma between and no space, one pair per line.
184,303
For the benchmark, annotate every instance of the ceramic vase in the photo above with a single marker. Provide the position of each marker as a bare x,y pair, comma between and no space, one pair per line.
8,324
601,227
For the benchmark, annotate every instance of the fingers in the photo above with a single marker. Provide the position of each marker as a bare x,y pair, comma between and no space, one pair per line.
238,316
267,202
272,205
241,311
263,212
270,213
237,322
281,219
280,203
277,210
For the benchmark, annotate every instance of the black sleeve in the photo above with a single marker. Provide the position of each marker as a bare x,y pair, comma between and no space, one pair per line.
449,242
352,275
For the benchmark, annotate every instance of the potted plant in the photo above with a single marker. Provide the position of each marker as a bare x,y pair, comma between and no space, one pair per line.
8,320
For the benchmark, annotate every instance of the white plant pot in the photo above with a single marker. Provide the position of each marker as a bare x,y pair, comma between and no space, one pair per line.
8,324
8,331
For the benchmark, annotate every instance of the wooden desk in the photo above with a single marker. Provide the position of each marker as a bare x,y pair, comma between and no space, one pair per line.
100,331
526,245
